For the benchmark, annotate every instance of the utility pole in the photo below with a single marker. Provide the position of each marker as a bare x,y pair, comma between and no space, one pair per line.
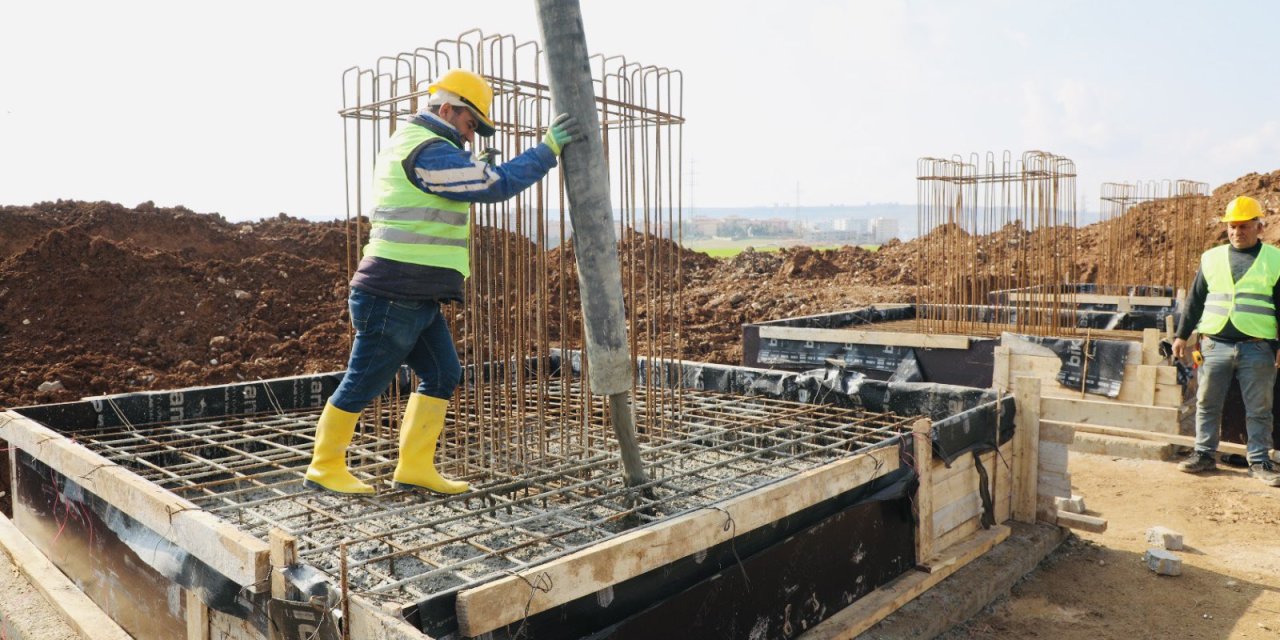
595,244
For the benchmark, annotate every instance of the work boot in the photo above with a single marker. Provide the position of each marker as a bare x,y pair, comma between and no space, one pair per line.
416,469
1266,472
328,468
1198,462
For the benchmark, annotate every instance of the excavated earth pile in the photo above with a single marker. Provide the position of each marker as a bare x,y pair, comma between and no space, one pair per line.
100,298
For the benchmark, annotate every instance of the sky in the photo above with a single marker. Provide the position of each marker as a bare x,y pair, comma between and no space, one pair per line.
231,107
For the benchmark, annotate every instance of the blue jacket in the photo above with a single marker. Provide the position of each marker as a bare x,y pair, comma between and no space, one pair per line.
452,172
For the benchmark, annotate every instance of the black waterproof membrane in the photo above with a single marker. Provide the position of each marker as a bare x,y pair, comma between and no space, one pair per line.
774,580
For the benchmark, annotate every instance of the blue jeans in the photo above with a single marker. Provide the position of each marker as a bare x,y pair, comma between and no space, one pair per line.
1254,365
388,333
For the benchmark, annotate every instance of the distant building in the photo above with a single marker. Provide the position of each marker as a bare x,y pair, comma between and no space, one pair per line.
849,225
883,229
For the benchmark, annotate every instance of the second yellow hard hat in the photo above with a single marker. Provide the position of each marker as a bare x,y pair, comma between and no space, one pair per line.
1242,208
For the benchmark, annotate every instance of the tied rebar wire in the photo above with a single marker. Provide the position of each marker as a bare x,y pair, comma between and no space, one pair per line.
1159,246
997,244
522,305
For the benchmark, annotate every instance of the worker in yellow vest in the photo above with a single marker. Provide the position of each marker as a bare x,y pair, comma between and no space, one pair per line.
1233,306
417,257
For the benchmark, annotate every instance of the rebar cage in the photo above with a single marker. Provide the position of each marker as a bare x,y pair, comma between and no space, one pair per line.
989,224
522,300
1132,249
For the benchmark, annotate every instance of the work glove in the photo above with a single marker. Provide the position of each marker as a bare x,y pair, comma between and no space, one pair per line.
563,130
488,156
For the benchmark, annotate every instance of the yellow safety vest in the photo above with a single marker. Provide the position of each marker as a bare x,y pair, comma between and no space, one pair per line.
409,224
1247,303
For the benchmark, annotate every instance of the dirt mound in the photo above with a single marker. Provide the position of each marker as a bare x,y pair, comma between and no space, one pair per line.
102,299
803,263
99,298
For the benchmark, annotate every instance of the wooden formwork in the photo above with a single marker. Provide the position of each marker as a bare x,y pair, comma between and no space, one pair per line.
1023,475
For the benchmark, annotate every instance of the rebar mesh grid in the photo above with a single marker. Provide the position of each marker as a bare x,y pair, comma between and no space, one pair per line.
402,545
991,224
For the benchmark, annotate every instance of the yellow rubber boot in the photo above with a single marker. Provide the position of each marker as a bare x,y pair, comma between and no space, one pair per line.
328,468
423,422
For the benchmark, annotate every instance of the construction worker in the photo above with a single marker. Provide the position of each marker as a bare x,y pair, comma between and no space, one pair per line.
416,259
1234,304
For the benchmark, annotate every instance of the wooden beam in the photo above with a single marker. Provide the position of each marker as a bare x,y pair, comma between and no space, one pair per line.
1081,522
80,612
1000,372
233,553
1026,393
197,617
283,554
507,600
1152,436
369,621
922,449
875,606
859,336
1112,414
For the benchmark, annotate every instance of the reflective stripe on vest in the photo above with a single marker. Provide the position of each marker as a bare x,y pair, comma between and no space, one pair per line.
1247,303
409,224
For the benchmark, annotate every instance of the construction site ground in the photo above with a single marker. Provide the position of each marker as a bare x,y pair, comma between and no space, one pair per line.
100,298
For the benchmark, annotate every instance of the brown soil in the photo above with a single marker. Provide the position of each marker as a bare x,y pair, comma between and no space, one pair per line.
1097,586
100,298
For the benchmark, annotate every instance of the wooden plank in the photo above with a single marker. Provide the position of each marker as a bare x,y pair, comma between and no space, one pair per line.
1081,522
233,553
1026,450
283,554
875,606
508,599
1000,372
961,478
79,612
1152,436
1151,346
922,448
1002,494
859,336
197,617
962,466
956,513
956,535
369,621
1128,416
957,486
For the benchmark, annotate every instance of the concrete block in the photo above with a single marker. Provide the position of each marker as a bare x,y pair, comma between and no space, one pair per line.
1053,484
1074,504
1053,457
1163,562
1164,538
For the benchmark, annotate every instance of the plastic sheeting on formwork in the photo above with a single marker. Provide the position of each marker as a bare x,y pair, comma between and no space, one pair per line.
1096,366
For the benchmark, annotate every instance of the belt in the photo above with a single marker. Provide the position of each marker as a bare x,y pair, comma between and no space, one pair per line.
1223,341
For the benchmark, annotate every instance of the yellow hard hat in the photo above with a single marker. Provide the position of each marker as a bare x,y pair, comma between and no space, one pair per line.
474,91
1241,209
